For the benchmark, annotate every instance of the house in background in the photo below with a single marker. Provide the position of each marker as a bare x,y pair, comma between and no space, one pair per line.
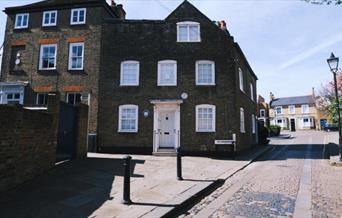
263,111
178,82
295,113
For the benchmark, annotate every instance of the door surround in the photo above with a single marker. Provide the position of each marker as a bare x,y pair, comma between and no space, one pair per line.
165,106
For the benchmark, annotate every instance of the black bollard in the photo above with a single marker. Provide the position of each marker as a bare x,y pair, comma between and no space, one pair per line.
179,164
127,180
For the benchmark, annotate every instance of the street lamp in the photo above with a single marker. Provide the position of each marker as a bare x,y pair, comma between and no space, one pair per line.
333,64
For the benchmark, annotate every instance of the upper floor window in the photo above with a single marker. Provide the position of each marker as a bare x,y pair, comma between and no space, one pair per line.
167,73
205,118
48,56
292,109
128,118
279,110
188,32
78,16
129,75
242,121
21,21
241,80
262,113
76,56
253,123
73,98
252,91
305,109
14,98
205,73
50,18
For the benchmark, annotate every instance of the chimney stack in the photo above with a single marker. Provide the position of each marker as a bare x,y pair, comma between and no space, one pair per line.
271,96
313,92
222,24
118,9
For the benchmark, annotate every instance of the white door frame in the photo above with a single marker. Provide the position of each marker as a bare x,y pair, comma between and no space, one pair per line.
165,106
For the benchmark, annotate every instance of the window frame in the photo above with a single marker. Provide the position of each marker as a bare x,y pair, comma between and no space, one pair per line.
73,93
41,56
213,83
253,124
70,55
242,121
128,106
303,108
21,24
251,86
281,110
78,14
213,121
290,107
159,80
188,24
49,24
45,94
264,111
122,73
241,80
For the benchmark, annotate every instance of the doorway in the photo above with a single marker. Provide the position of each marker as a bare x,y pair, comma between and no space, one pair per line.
293,125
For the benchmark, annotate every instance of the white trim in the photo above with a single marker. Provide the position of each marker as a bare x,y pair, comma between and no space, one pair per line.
253,124
72,93
21,24
242,121
41,56
78,16
212,72
70,55
213,121
241,80
49,24
173,83
305,106
187,24
251,86
128,106
291,107
137,73
281,110
41,93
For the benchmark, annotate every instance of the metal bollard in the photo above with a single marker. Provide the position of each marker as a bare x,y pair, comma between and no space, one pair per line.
179,164
127,180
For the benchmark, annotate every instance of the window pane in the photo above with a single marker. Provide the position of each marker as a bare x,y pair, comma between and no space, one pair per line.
128,119
75,16
183,33
25,17
19,19
47,18
81,16
130,73
205,119
194,33
205,74
167,73
71,98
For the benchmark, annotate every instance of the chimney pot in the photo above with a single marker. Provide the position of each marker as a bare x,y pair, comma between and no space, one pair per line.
223,25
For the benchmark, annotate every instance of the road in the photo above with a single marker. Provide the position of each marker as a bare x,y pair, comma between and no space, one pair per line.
292,180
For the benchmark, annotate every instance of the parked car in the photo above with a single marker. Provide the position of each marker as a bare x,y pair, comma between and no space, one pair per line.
330,127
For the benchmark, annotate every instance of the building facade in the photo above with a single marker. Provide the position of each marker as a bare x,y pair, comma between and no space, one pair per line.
263,111
151,85
295,113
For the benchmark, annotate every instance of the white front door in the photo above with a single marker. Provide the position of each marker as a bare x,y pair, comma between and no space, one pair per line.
167,130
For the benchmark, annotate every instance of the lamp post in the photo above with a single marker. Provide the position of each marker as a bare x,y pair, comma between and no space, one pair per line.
333,64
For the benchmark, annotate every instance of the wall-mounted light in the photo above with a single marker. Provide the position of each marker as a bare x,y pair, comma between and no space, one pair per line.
17,60
184,95
146,113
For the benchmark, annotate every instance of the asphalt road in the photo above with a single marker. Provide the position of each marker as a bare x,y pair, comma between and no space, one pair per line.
292,180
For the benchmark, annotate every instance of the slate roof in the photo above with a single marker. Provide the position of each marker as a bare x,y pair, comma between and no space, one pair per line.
308,99
54,4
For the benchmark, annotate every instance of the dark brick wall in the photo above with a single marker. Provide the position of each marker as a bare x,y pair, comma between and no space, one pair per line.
61,79
151,41
27,145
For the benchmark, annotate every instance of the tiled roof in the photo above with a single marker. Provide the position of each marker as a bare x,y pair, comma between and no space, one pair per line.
53,3
293,100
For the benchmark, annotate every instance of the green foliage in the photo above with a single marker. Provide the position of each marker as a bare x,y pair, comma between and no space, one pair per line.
332,110
274,130
325,2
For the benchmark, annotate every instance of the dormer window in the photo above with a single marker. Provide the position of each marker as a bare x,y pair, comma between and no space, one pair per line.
78,16
49,18
188,32
21,21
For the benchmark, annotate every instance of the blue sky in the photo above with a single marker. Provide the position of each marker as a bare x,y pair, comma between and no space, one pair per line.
286,42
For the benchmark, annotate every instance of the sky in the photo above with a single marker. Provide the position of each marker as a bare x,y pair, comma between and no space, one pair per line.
286,42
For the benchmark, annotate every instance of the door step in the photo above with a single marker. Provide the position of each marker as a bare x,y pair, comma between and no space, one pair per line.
166,152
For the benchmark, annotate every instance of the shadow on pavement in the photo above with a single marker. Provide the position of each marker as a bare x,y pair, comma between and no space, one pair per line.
74,189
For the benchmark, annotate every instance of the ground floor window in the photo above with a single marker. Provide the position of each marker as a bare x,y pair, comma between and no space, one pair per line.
205,118
242,120
42,98
13,98
128,118
73,98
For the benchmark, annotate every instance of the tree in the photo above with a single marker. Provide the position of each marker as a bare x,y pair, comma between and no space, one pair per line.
326,101
326,2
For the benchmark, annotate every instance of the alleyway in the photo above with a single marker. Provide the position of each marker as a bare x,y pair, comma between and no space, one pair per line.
291,180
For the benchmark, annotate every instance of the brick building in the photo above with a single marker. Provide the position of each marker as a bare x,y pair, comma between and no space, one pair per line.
182,81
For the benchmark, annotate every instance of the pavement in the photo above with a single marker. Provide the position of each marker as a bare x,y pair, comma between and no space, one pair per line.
93,187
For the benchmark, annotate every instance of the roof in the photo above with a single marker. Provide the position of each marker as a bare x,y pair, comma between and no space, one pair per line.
55,4
308,99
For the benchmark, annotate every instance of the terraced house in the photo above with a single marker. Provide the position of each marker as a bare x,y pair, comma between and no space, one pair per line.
152,85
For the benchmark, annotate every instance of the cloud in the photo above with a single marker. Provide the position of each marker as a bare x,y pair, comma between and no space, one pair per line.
310,52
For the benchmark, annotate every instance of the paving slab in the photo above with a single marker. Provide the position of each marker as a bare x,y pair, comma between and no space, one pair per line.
93,187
